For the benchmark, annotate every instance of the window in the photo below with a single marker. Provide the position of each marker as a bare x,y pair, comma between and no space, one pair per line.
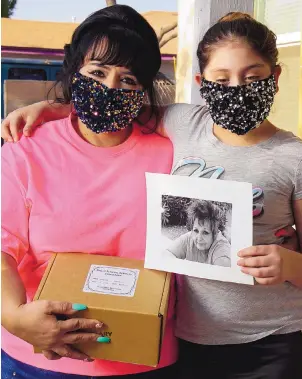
25,73
283,17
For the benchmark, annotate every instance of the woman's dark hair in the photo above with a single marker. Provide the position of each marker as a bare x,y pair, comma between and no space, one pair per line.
238,26
204,210
129,41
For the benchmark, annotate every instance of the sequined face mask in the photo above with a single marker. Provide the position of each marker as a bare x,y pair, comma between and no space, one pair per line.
104,109
241,108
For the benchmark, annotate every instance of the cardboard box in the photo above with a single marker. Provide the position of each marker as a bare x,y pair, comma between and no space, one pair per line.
131,301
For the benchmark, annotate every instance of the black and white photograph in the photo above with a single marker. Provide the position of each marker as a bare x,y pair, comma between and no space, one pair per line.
197,226
197,230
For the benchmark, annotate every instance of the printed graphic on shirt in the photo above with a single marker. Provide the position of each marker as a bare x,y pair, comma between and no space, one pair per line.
198,168
258,197
201,170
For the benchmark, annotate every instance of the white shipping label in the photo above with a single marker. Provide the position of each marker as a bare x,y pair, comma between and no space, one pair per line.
108,280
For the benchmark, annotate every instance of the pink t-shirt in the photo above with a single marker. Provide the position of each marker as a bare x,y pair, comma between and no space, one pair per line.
61,194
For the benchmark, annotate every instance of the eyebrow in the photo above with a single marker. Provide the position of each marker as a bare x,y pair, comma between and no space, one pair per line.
99,64
256,65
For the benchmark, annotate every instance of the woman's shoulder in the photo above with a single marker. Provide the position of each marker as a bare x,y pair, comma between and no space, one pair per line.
42,139
220,241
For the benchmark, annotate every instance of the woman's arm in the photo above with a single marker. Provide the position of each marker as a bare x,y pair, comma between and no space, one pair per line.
36,322
27,119
179,246
13,293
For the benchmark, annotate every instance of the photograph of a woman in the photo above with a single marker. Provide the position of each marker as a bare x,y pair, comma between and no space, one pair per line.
204,241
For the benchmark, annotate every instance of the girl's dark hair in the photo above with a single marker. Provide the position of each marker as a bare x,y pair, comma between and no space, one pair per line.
129,41
238,26
204,210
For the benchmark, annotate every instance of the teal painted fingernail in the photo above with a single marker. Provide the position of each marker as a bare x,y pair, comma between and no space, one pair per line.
104,340
79,307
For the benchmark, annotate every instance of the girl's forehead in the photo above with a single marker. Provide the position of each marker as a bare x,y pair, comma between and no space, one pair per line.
236,55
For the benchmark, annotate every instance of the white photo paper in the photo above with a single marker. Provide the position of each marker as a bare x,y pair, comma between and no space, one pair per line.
197,226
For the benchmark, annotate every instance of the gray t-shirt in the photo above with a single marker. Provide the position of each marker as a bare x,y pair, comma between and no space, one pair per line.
214,312
219,253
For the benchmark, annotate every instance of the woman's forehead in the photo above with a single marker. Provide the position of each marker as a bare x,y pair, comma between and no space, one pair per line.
105,52
98,49
205,223
118,69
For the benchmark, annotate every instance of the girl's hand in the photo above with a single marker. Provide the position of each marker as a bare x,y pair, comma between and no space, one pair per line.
24,120
37,324
268,264
27,119
290,238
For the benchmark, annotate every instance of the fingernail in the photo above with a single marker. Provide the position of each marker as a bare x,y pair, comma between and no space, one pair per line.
10,139
104,340
79,307
99,325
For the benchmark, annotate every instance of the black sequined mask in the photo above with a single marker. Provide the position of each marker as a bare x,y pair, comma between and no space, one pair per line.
241,108
104,109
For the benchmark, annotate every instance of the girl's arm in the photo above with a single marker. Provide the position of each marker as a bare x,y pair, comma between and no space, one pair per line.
296,268
27,119
274,264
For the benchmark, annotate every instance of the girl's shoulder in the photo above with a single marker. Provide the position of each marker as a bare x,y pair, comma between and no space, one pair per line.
183,111
287,144
183,120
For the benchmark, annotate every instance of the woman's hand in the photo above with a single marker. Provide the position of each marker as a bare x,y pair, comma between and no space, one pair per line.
37,324
269,264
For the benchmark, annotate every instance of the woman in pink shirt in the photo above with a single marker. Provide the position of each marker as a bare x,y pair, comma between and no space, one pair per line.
79,185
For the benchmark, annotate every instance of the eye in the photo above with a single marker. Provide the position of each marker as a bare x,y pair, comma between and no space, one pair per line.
222,81
195,230
97,73
129,81
252,78
205,233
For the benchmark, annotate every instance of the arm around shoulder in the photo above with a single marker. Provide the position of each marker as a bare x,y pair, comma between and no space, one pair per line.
28,118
